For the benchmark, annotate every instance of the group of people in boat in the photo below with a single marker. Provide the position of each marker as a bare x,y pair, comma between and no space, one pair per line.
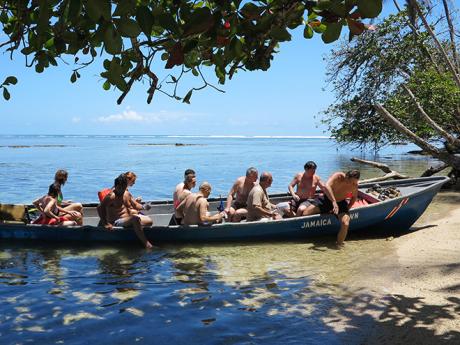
247,200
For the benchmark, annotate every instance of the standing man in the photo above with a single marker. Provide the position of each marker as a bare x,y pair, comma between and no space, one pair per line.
114,210
342,185
307,182
194,208
258,204
182,190
238,195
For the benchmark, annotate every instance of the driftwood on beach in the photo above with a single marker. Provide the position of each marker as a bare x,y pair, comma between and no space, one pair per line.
393,174
389,174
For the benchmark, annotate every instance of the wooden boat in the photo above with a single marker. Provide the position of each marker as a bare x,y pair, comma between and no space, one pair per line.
391,215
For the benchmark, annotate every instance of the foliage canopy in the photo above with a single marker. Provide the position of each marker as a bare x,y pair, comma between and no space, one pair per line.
132,35
376,68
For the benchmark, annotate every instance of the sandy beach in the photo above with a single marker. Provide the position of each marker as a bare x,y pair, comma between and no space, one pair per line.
419,289
410,295
425,297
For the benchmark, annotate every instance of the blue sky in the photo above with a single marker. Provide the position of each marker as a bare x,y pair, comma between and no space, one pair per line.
282,101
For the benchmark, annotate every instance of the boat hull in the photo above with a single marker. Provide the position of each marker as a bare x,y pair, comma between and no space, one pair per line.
392,215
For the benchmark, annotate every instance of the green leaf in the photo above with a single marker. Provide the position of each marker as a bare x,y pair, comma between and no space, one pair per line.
145,19
127,27
10,80
4,17
39,68
6,94
236,47
112,40
73,77
74,9
168,22
200,21
106,86
251,11
187,97
332,32
324,4
308,32
280,34
369,8
318,28
98,9
195,72
338,8
50,43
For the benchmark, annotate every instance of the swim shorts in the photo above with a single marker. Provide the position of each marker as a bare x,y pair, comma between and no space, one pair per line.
325,205
302,202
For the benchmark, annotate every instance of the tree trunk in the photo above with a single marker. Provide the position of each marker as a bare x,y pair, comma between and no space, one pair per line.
449,158
432,170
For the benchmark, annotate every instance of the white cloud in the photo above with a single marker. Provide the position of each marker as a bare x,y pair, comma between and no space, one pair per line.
76,119
129,115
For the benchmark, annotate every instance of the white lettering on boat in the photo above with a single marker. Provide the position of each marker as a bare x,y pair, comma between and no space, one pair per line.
324,221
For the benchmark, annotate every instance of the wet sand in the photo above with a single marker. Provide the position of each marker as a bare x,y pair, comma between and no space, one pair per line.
415,298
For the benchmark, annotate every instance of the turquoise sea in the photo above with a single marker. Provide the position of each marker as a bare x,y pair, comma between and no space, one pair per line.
237,293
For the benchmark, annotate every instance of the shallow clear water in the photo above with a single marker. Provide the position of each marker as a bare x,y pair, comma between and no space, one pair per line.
208,294
214,294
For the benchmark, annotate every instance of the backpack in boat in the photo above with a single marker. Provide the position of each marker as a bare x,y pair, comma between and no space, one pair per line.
383,193
14,214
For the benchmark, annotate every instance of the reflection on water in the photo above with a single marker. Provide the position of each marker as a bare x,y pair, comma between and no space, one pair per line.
229,293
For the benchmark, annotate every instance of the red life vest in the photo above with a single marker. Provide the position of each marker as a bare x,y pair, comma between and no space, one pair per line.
103,193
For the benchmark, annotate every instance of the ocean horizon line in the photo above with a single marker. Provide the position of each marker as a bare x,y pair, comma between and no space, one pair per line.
211,136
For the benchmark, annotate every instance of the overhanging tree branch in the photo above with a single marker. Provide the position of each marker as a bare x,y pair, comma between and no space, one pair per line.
452,160
452,35
406,131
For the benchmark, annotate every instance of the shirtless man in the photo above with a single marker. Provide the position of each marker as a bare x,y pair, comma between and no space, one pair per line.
194,208
259,205
342,185
115,210
182,190
236,206
307,183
